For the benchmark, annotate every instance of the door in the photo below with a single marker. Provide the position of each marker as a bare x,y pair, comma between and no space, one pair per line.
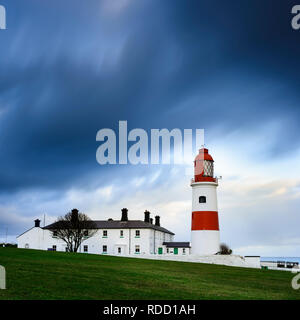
175,250
160,250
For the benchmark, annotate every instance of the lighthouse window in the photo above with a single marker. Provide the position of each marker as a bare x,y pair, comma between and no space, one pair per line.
202,199
208,169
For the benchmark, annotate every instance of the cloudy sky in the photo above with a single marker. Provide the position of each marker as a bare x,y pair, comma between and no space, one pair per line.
70,68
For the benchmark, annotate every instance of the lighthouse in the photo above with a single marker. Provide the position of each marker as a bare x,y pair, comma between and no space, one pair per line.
205,238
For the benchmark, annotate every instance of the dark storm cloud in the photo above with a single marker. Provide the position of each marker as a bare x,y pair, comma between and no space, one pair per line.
71,68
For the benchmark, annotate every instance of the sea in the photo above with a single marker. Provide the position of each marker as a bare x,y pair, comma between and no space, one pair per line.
289,259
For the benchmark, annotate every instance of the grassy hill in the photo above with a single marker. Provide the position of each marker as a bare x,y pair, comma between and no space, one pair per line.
33,274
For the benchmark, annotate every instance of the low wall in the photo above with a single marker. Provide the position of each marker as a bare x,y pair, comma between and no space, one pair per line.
227,260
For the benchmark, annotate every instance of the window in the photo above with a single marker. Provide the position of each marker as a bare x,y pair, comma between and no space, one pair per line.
202,199
137,233
121,233
54,248
104,233
119,250
86,233
208,168
26,246
104,249
167,250
54,233
183,250
137,249
66,249
85,248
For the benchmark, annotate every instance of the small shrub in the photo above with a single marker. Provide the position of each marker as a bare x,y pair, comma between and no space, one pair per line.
224,249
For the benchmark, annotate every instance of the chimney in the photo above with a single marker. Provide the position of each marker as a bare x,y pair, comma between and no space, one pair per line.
151,220
75,211
157,223
37,223
74,216
124,214
147,216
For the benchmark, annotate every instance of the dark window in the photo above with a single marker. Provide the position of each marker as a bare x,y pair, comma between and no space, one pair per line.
104,233
137,249
183,250
119,250
86,233
85,248
137,233
54,233
121,233
104,249
202,199
54,248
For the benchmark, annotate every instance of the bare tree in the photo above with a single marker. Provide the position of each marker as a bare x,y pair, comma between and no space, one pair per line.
73,228
224,249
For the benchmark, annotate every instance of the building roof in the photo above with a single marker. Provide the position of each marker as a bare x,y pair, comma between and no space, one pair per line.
118,224
177,244
24,232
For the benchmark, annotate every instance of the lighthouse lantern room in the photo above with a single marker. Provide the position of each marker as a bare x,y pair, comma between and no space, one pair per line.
205,238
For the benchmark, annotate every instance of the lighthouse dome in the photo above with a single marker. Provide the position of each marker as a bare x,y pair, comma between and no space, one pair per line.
204,166
204,155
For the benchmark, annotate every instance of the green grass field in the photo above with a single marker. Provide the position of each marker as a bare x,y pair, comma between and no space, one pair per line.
33,274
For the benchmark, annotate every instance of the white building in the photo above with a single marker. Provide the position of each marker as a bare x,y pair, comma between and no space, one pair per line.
114,237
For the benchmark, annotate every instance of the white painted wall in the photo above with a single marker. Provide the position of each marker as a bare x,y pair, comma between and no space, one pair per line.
207,189
38,238
227,260
204,242
253,261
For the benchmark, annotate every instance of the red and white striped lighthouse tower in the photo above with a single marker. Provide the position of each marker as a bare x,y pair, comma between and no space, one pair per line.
205,223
